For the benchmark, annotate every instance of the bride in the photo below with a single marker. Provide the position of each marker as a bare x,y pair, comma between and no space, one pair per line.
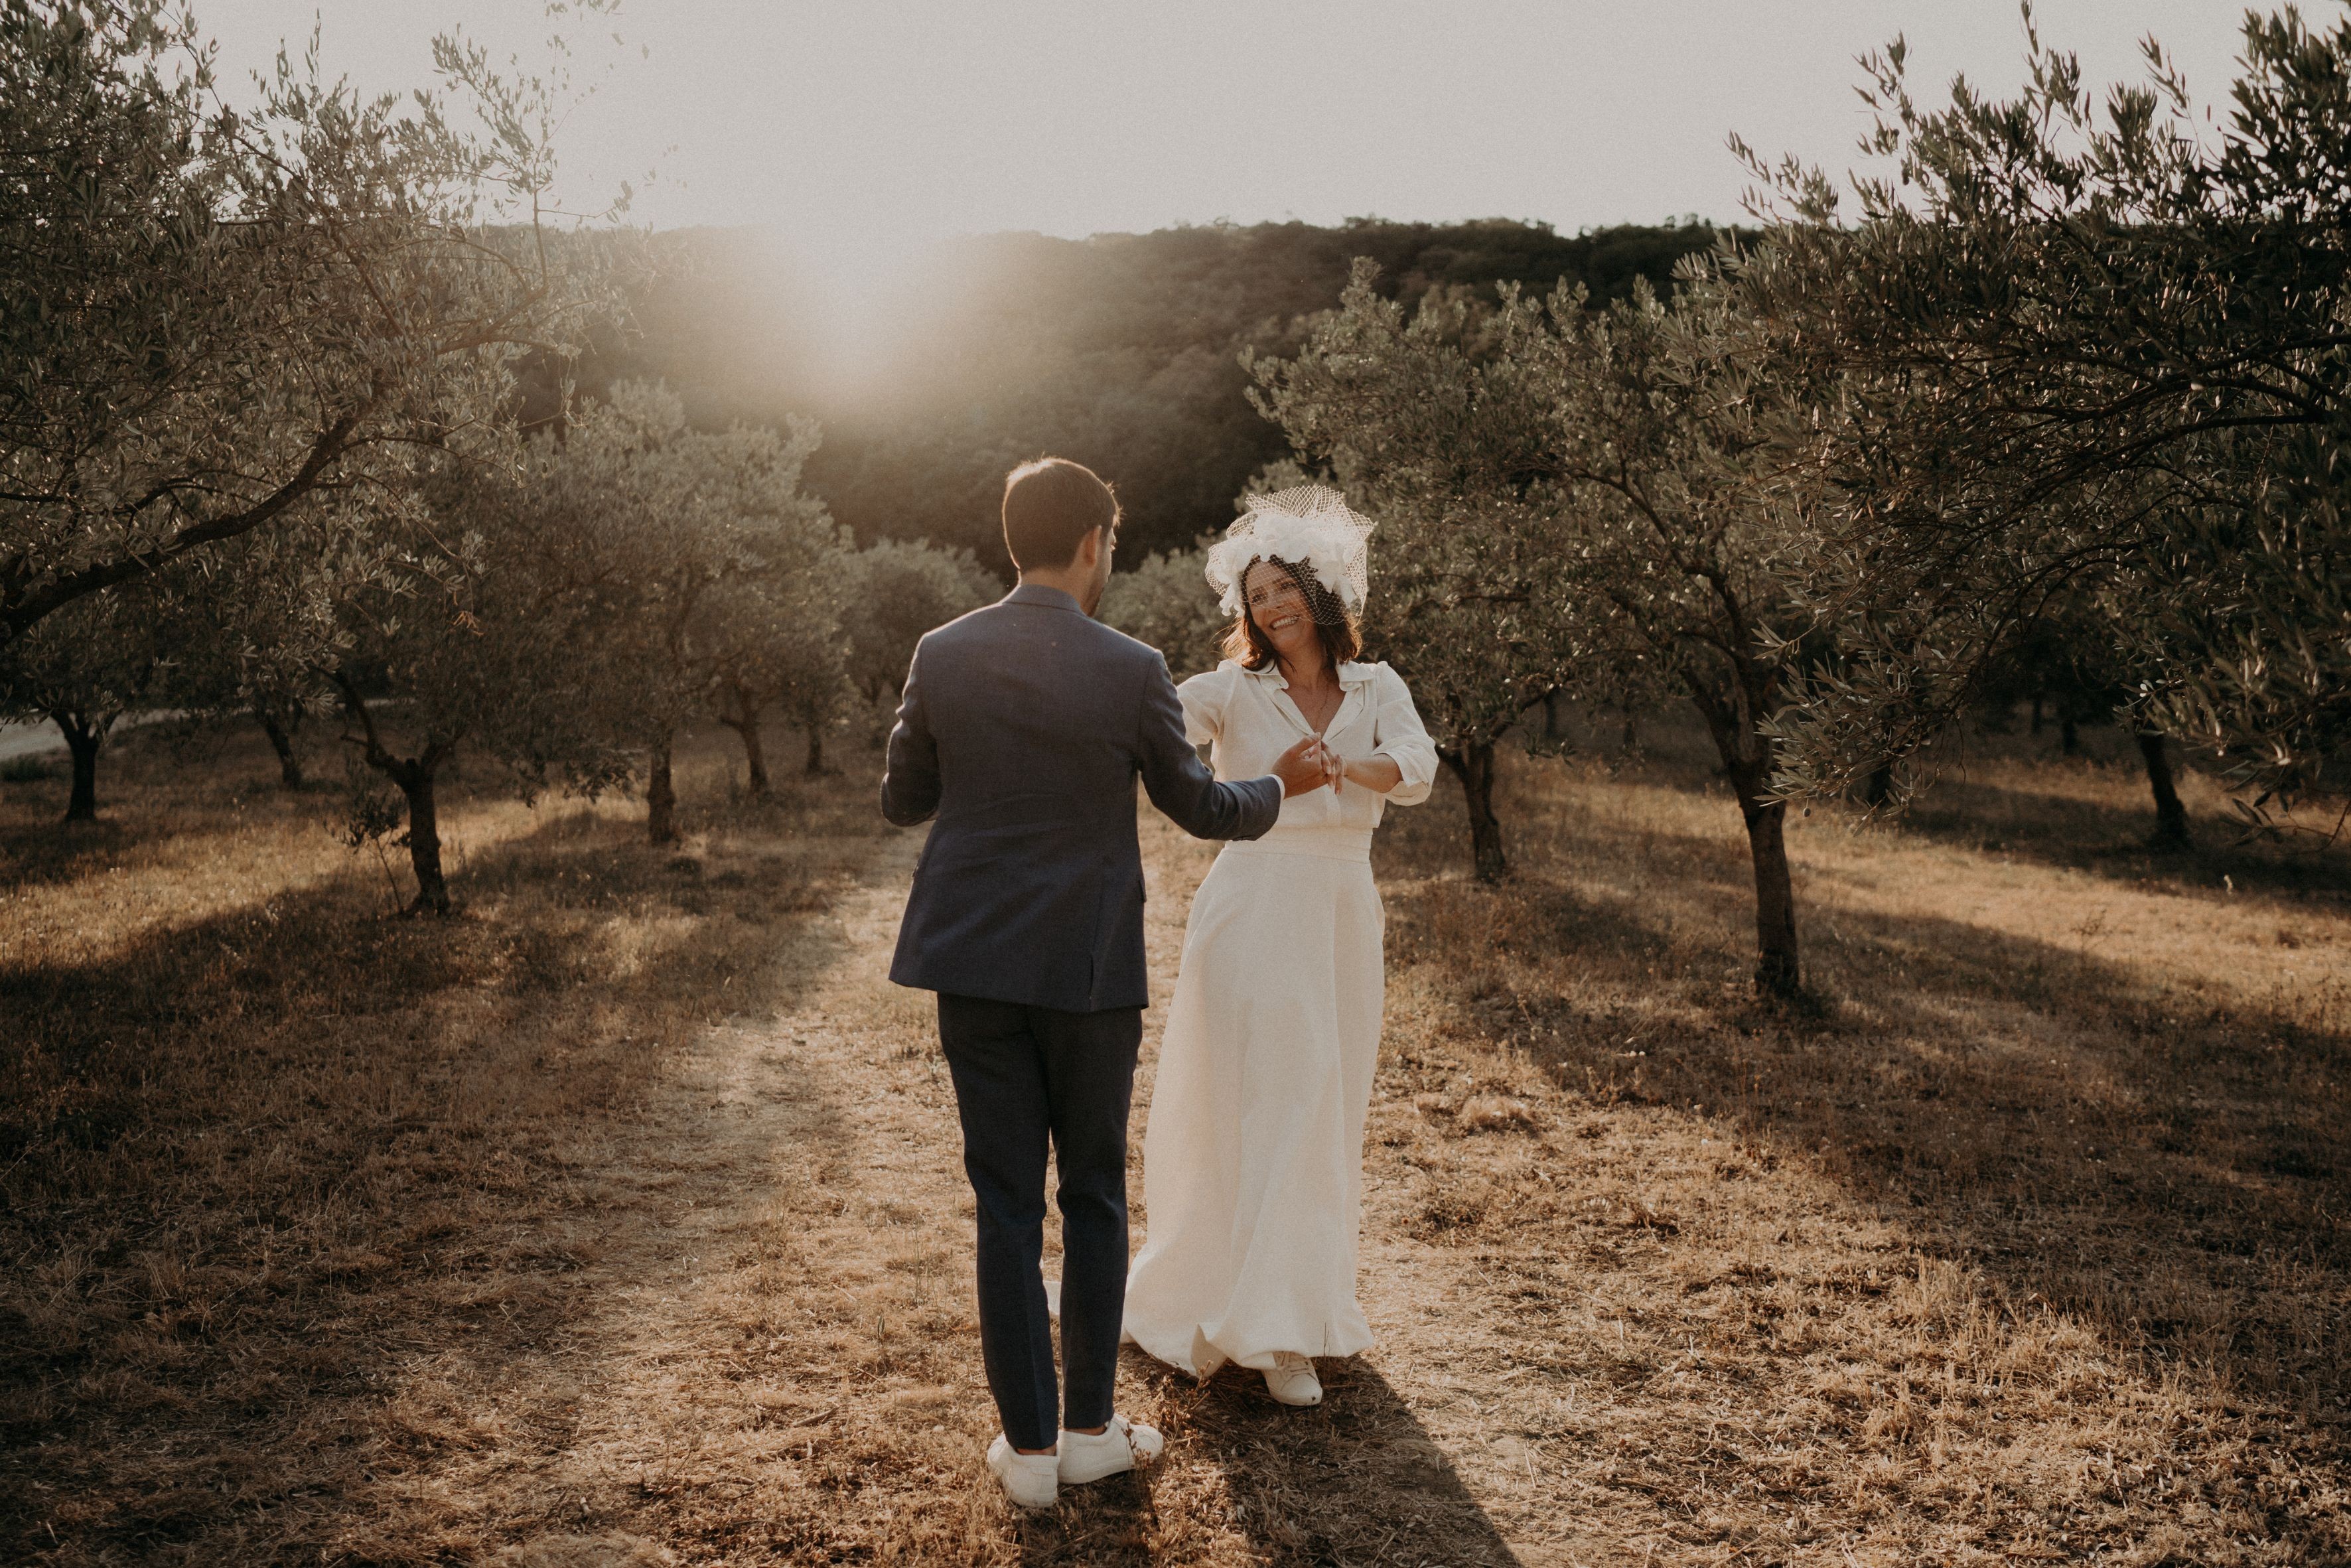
1252,1164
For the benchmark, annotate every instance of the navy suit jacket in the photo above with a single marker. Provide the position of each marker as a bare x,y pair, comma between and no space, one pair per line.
1023,728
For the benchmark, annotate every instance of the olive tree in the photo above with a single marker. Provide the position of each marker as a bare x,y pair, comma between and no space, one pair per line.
213,316
772,629
2081,661
2071,341
486,633
1166,601
1583,497
896,591
256,625
810,656
775,642
83,669
712,567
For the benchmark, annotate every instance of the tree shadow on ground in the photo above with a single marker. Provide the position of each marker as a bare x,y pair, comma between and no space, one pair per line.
2175,1175
147,797
253,1164
1962,809
52,850
2056,829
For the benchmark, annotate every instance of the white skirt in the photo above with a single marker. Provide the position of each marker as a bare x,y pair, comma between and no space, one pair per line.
1253,1162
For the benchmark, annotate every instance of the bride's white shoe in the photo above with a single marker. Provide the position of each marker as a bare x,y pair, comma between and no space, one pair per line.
1292,1380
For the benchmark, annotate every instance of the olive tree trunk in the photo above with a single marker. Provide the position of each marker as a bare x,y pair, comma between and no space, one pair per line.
743,718
813,719
755,755
2171,814
1474,766
1749,759
84,736
661,795
414,778
281,741
1778,970
1554,706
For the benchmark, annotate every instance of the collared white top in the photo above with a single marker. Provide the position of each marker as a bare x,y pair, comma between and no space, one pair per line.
1248,719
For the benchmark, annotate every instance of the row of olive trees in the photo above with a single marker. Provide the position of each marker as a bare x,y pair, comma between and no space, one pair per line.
261,380
235,344
558,605
2057,417
211,315
617,585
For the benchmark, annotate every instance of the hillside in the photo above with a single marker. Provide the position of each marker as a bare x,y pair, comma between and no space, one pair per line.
1119,351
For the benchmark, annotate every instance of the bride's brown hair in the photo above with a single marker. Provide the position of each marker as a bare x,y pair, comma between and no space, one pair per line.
1245,641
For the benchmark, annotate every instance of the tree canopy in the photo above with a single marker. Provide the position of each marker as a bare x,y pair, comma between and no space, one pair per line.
1571,496
2071,342
210,316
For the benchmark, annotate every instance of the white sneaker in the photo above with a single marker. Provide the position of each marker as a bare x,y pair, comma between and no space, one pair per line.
1029,1480
1118,1447
1292,1380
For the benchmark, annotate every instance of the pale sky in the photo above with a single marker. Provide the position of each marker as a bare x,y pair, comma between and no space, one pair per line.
861,125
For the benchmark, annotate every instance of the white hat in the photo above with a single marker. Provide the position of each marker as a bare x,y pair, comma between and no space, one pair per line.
1306,525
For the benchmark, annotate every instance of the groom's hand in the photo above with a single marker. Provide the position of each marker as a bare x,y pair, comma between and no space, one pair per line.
1305,766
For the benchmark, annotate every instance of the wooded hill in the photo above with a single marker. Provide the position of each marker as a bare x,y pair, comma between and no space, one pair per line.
1119,351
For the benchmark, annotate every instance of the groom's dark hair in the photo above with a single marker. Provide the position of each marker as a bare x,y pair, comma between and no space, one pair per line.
1050,507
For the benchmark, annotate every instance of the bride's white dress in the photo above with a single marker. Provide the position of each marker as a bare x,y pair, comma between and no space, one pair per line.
1252,1165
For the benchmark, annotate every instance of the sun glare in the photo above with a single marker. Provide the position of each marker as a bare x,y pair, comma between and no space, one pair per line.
863,287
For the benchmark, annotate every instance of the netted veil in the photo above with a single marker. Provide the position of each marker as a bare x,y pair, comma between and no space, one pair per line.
1306,525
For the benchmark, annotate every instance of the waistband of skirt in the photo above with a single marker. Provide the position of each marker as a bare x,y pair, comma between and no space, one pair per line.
1321,843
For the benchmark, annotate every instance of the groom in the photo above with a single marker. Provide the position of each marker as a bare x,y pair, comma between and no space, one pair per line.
1022,729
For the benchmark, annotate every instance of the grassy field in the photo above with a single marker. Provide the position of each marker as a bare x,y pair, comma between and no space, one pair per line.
268,1147
619,1221
2031,1244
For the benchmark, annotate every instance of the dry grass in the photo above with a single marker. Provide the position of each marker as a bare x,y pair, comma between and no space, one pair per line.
2028,1243
621,1222
265,1147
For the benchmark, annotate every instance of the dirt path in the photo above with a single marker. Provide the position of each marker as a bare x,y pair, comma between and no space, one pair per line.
776,1358
1610,1330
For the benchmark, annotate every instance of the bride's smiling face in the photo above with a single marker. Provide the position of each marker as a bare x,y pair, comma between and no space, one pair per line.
1279,610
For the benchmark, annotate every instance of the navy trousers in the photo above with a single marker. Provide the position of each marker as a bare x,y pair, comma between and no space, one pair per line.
1026,1077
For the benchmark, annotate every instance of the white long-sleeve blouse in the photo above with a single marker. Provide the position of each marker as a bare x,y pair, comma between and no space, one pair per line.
1248,719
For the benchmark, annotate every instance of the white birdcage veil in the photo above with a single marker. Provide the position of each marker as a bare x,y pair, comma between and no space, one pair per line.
1308,526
